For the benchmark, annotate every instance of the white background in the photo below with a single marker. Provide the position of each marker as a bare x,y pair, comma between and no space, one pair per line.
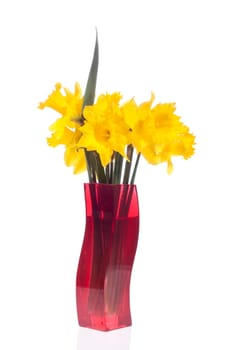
182,283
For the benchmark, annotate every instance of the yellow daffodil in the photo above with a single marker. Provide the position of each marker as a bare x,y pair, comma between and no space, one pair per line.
74,156
157,133
104,130
68,104
65,130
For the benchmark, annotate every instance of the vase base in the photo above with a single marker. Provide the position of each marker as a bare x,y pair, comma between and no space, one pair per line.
105,324
104,329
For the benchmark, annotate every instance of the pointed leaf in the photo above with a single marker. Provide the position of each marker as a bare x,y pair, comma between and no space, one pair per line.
89,95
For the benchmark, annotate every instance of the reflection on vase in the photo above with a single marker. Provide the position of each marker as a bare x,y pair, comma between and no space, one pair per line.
107,256
89,339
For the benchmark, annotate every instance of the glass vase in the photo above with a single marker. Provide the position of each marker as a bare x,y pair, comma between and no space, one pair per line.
107,256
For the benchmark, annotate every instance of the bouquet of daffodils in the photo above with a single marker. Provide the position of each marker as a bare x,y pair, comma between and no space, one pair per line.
107,137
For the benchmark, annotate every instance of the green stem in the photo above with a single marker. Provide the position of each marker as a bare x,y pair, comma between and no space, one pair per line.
99,168
128,164
91,174
111,165
135,169
107,172
118,168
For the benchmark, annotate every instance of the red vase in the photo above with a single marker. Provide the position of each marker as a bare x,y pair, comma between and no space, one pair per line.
107,256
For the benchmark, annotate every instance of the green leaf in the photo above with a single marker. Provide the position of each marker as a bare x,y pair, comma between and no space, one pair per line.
89,95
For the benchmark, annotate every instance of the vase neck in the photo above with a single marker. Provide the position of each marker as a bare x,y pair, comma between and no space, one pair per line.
112,200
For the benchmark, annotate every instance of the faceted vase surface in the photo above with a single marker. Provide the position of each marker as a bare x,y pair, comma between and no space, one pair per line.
107,256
